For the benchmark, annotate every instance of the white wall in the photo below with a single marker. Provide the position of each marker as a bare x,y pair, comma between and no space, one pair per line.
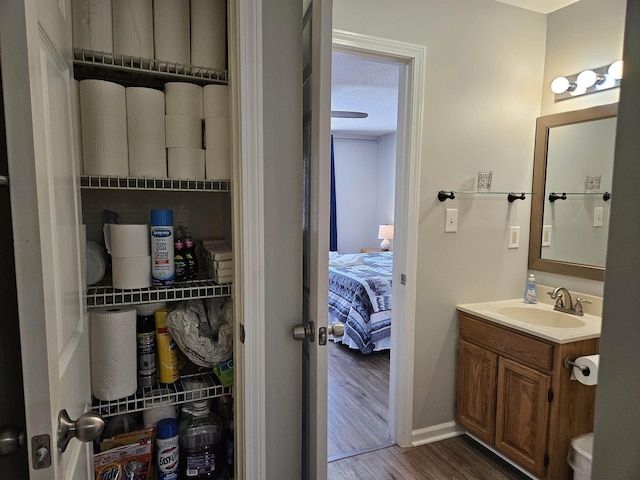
364,189
485,62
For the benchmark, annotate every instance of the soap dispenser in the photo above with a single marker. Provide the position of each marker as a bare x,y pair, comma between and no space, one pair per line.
530,291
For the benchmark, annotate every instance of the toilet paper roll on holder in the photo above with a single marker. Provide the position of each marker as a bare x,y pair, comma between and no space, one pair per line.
570,363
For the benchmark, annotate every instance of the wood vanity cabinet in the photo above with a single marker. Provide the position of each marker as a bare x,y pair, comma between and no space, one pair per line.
513,393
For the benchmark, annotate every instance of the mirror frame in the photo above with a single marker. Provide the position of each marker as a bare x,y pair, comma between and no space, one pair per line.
543,124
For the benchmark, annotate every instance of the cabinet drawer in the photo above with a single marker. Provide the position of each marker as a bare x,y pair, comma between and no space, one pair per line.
509,343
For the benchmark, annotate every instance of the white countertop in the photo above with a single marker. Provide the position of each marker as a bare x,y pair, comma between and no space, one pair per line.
490,311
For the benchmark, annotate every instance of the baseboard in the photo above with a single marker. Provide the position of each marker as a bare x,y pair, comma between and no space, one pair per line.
436,433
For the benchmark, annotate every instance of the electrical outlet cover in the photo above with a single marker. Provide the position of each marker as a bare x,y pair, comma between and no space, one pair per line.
546,235
514,237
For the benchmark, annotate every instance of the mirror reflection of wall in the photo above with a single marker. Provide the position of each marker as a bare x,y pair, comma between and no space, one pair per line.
579,156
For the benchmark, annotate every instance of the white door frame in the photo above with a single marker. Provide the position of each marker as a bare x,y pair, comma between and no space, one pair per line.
408,159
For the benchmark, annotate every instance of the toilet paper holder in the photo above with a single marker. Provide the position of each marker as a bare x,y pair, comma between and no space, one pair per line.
570,363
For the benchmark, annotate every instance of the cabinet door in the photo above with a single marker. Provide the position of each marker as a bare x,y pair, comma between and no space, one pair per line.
522,415
476,390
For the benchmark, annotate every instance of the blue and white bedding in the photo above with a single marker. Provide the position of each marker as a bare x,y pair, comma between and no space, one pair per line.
360,297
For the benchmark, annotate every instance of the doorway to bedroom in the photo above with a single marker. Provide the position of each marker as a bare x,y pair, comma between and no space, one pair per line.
364,125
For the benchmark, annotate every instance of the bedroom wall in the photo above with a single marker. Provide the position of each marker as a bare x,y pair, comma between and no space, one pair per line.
485,64
363,190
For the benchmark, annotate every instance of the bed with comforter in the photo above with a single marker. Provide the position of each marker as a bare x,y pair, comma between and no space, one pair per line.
360,297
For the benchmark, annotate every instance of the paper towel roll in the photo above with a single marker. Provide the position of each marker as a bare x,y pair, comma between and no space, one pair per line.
146,132
133,27
183,131
171,27
218,163
113,352
186,163
216,132
103,113
127,241
587,377
183,98
215,100
209,33
91,25
131,272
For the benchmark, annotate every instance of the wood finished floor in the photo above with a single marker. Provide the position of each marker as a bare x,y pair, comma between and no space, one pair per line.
458,458
357,409
352,428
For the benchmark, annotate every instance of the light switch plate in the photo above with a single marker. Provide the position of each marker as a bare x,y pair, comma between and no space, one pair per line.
514,237
546,235
451,220
598,214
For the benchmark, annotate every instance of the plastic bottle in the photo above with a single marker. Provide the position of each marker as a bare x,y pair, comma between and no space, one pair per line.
167,449
167,349
181,267
201,444
162,266
190,256
146,350
530,291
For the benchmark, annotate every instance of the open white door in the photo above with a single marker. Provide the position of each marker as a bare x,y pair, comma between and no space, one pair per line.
35,47
317,156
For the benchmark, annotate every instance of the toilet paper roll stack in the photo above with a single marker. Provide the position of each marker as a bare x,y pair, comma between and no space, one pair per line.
146,132
103,116
217,132
183,122
113,353
130,256
171,30
209,33
91,25
133,27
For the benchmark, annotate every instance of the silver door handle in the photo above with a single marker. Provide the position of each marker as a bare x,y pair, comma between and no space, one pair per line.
336,329
300,332
11,438
86,428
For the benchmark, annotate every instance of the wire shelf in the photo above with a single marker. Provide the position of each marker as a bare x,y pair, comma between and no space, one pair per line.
98,182
101,295
186,389
160,69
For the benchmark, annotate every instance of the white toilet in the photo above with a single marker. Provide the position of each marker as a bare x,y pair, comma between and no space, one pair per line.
580,456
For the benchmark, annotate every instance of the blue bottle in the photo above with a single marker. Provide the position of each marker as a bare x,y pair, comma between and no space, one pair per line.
167,449
162,259
530,291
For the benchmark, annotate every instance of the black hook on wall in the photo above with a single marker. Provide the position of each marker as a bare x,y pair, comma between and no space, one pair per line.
442,195
554,196
512,197
606,196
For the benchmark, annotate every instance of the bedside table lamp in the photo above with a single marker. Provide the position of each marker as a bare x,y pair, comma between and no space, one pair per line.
385,233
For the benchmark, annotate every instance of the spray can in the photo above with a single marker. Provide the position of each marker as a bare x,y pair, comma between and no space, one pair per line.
167,349
146,341
167,449
162,266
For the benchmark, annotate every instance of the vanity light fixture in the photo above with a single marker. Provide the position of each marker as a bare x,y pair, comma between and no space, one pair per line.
588,81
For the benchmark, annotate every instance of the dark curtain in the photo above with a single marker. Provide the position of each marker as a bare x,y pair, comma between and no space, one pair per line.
333,223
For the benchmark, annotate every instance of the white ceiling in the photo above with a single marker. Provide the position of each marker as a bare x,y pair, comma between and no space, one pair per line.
366,85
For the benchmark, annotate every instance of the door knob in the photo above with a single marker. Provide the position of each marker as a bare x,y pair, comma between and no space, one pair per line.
11,438
86,428
300,332
336,329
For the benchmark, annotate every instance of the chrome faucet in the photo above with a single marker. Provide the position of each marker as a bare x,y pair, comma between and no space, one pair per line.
560,295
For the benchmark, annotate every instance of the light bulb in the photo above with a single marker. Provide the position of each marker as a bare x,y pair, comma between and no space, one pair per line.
586,79
608,82
560,85
615,70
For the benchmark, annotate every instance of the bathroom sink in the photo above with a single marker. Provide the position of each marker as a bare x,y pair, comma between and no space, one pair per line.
540,317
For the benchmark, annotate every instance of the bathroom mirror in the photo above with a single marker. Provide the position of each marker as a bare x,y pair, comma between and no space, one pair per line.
572,171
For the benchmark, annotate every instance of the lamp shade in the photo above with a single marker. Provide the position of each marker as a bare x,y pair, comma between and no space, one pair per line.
385,232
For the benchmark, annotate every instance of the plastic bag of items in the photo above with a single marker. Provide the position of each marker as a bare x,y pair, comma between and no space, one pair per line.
205,337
